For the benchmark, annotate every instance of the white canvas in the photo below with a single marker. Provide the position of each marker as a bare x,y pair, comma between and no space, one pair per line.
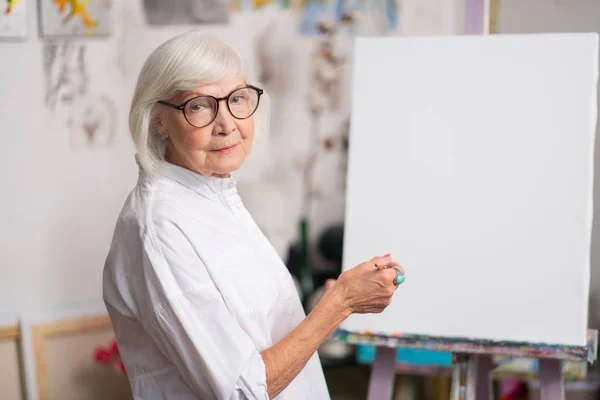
471,162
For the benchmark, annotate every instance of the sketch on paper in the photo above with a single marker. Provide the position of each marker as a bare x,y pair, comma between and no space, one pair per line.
94,119
13,20
187,12
66,74
89,117
76,17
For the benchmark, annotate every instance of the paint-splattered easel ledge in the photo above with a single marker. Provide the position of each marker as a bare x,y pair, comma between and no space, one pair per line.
462,345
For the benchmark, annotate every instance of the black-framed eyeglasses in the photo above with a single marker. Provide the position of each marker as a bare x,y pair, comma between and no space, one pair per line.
201,111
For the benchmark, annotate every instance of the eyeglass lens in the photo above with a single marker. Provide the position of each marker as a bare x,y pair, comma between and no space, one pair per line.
202,110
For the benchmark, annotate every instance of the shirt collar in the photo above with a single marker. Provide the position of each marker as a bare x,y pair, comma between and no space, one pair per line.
207,186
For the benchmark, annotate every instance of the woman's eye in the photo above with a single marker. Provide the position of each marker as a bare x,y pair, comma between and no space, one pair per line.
196,107
238,99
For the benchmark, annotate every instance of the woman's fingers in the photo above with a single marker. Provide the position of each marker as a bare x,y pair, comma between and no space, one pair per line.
381,262
371,285
387,276
396,265
386,262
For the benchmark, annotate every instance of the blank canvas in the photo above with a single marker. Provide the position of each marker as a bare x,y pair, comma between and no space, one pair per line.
471,162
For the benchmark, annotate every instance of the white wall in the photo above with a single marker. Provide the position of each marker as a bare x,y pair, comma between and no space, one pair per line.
59,204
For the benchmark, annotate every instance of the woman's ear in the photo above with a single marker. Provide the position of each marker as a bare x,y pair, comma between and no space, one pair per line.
160,126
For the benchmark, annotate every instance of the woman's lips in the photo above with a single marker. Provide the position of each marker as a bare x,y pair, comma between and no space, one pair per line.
225,150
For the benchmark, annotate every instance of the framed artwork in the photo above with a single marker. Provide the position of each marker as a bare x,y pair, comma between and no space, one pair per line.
43,334
188,12
80,18
13,19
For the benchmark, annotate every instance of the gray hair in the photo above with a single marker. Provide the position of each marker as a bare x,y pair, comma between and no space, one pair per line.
182,63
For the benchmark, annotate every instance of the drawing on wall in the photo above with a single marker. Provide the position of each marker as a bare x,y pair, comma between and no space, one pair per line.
93,122
13,19
250,5
350,17
368,17
315,14
187,12
76,17
326,73
66,74
89,117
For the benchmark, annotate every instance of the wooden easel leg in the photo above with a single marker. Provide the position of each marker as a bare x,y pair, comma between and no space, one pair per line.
383,372
551,383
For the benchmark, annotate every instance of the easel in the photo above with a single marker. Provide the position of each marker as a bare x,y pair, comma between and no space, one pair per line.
471,377
472,362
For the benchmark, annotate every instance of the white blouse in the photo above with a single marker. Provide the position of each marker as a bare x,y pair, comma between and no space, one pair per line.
195,291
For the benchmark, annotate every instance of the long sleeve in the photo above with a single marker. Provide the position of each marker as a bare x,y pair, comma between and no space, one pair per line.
191,325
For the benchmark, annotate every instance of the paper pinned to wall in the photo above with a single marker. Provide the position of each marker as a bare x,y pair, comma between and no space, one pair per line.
471,161
75,18
13,20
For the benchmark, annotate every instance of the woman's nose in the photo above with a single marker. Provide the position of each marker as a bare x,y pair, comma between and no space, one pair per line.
225,122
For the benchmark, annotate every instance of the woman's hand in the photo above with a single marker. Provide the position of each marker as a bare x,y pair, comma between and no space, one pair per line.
366,288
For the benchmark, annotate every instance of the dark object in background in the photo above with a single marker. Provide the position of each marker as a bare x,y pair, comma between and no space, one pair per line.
331,247
331,244
294,259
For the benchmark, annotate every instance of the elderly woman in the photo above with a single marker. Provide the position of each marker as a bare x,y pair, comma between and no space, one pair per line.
201,304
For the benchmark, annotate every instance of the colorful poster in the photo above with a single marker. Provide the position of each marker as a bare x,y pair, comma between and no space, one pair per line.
13,19
76,17
351,17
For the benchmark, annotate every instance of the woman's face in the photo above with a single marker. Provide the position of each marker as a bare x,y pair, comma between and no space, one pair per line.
216,149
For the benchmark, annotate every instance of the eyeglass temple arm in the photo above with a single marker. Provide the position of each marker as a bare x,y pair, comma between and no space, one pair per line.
164,103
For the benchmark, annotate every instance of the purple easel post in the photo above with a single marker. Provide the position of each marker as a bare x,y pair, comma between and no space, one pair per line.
483,364
383,372
475,18
551,382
